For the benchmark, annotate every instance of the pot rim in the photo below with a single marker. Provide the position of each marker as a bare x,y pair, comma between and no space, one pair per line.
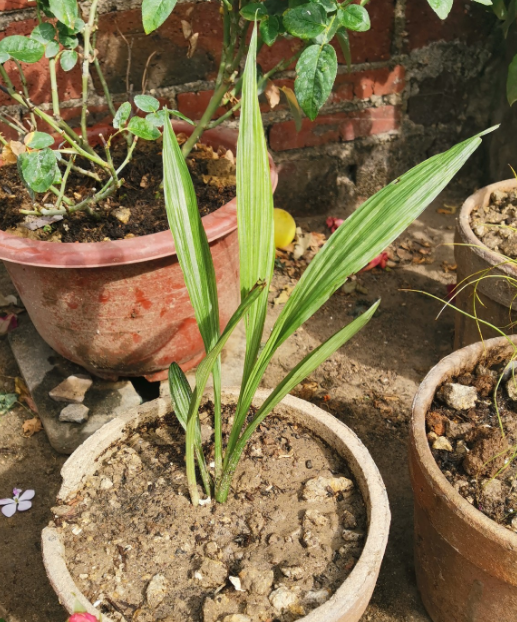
467,235
134,250
349,598
448,366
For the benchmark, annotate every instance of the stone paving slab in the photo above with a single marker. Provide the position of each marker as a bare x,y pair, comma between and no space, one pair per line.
43,369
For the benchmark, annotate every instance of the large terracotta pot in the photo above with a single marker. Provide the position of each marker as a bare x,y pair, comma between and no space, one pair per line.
121,308
473,258
350,600
466,564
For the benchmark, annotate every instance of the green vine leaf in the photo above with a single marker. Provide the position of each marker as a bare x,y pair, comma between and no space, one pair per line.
147,103
38,140
68,60
354,17
122,115
316,71
269,29
44,33
66,11
51,49
306,21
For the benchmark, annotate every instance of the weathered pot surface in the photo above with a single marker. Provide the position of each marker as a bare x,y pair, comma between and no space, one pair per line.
466,564
472,258
349,601
121,308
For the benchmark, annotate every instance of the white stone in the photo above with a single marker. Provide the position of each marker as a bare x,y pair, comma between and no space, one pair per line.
106,483
319,488
458,396
156,590
511,388
442,442
237,617
292,572
74,413
283,598
257,580
317,597
72,390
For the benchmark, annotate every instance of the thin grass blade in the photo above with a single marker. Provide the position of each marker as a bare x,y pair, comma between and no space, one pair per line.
305,367
254,207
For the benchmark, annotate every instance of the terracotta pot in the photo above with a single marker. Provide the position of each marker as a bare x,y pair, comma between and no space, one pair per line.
121,308
466,564
473,257
352,597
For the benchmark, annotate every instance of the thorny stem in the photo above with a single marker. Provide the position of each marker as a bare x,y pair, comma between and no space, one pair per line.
86,66
54,90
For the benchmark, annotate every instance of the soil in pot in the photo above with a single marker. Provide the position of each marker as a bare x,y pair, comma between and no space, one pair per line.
467,442
496,223
137,209
289,535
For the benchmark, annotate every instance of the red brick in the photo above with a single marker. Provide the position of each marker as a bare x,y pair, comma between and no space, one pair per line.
375,44
170,65
37,74
339,127
468,22
193,105
14,5
364,84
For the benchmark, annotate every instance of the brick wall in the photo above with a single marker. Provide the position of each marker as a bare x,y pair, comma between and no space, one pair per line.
416,86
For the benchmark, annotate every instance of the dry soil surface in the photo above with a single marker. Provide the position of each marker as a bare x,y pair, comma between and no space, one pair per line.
368,384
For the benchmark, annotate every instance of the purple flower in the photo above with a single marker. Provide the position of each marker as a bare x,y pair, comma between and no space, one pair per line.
20,502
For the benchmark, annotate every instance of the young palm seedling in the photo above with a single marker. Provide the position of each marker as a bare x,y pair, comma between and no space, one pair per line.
363,236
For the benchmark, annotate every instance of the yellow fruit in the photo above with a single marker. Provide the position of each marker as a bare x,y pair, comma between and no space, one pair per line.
285,228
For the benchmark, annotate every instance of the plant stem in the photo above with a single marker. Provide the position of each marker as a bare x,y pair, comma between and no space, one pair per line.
53,89
86,65
102,80
63,183
66,200
11,125
225,116
3,141
79,169
190,456
25,90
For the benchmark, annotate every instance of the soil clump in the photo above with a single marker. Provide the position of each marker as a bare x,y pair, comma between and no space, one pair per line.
496,224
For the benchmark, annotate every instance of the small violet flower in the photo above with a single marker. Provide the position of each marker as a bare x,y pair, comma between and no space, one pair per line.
82,617
20,502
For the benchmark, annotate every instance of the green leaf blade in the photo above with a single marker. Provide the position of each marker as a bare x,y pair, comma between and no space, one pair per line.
66,11
68,60
155,12
44,33
22,49
354,17
511,82
147,103
269,29
143,128
442,8
38,169
254,11
316,71
122,115
40,140
306,21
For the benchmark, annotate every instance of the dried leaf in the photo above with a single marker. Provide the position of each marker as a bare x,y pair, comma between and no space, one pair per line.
192,45
17,148
272,94
8,156
23,392
283,297
31,427
187,29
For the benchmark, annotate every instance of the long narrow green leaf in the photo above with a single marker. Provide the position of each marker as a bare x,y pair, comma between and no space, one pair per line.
365,234
195,259
202,374
181,394
305,367
254,207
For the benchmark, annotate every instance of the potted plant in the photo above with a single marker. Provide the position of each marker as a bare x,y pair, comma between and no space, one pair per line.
223,558
465,540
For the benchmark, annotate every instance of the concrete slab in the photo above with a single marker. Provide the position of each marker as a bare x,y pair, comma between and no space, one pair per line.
43,369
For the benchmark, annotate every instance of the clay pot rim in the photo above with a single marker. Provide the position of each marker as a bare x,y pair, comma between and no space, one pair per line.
349,598
481,197
451,365
134,250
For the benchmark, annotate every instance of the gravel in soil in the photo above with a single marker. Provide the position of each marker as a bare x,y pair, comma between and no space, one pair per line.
496,223
465,433
290,533
137,209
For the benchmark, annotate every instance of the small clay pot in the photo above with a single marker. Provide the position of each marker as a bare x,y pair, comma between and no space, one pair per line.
121,308
466,564
349,601
496,295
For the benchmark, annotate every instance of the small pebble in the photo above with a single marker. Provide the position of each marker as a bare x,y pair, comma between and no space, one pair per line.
442,443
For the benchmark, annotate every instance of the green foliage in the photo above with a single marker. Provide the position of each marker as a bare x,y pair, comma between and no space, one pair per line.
38,169
155,12
68,60
269,29
316,71
7,401
44,33
122,115
40,140
66,11
442,8
143,128
306,21
147,103
511,82
51,49
254,11
354,17
23,49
